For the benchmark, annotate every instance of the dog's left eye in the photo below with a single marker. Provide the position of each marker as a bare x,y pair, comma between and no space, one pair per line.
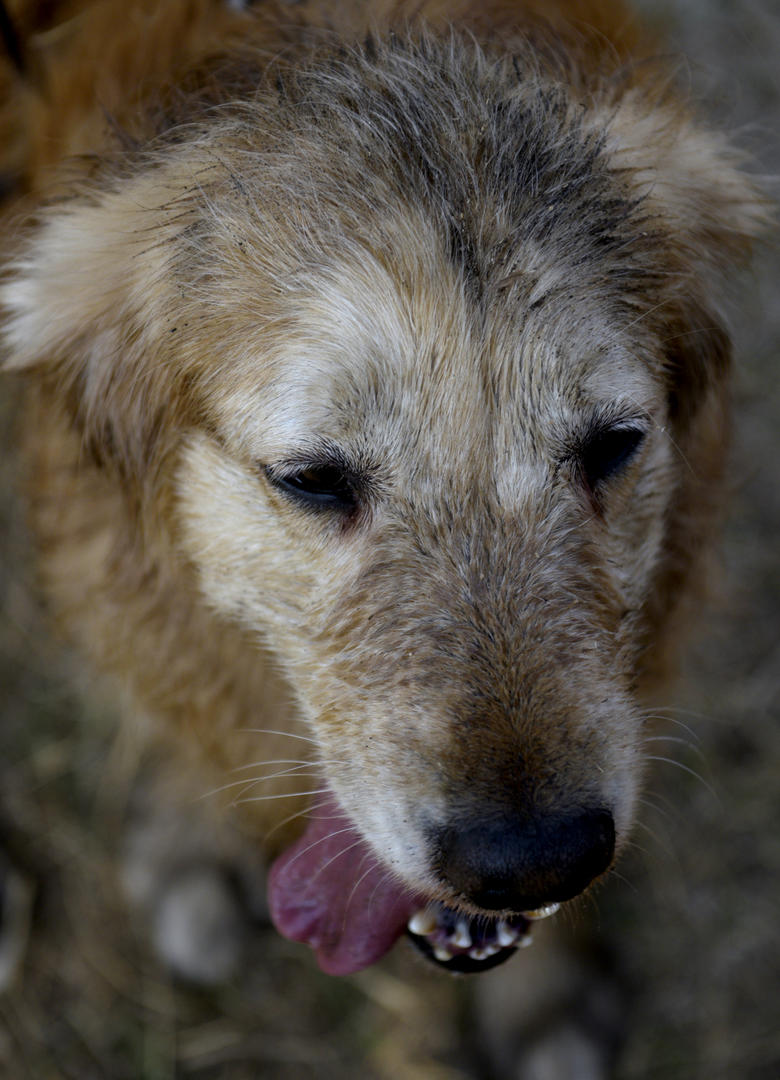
318,487
607,451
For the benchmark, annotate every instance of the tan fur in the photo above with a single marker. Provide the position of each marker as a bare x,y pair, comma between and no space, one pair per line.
194,307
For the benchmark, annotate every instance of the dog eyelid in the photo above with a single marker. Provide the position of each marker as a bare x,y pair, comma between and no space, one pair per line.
317,486
607,448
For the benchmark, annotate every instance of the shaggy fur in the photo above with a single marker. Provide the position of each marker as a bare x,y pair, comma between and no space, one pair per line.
460,272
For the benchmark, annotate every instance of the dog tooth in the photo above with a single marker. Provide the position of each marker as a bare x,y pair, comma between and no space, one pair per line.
441,953
525,941
542,912
461,938
505,934
484,952
423,922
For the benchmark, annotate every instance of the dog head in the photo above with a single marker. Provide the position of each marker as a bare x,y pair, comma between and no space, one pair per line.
431,347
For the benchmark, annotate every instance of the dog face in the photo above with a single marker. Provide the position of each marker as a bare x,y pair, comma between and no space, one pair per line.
447,529
426,354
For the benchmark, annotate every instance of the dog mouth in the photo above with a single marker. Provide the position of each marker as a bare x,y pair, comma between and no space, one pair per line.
467,944
331,892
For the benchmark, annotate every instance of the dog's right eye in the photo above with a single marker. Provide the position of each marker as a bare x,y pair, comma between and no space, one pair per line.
318,487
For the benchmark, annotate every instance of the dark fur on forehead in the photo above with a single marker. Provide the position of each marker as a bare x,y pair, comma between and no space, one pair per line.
494,148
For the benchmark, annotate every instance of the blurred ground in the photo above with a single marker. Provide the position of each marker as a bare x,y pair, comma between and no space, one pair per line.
688,926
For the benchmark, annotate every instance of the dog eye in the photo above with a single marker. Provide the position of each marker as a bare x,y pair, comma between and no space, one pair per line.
318,487
607,451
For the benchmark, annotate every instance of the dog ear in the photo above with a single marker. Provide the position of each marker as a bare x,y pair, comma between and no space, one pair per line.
691,180
705,214
88,308
700,203
711,213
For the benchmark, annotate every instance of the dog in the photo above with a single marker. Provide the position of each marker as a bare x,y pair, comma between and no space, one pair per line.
377,384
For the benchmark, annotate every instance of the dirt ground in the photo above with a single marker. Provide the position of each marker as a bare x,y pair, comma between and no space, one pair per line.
688,927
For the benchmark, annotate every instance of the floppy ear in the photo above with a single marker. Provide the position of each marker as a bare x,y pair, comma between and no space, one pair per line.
89,307
691,178
713,213
707,212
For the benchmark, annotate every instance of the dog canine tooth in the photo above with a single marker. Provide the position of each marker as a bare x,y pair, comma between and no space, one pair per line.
423,922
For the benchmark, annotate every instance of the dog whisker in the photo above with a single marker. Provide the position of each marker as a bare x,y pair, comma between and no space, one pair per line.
250,785
304,813
659,805
249,782
654,835
284,795
339,854
656,716
362,876
266,762
320,840
688,743
618,876
271,731
646,314
686,769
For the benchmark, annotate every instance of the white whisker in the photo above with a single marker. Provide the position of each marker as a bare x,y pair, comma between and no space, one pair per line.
248,783
271,731
663,845
622,877
658,715
285,795
676,739
308,810
362,878
686,769
262,764
645,314
338,855
320,840
659,805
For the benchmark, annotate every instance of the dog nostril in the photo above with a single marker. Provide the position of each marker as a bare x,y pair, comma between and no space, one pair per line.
520,864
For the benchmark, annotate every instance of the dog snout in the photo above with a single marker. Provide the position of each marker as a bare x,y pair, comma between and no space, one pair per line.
516,864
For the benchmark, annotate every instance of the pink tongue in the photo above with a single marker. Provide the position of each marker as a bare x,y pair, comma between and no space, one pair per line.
329,891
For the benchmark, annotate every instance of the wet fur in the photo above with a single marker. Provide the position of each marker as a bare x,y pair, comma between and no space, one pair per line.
446,252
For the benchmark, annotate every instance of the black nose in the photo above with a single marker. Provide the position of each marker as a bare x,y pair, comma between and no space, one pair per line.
517,864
